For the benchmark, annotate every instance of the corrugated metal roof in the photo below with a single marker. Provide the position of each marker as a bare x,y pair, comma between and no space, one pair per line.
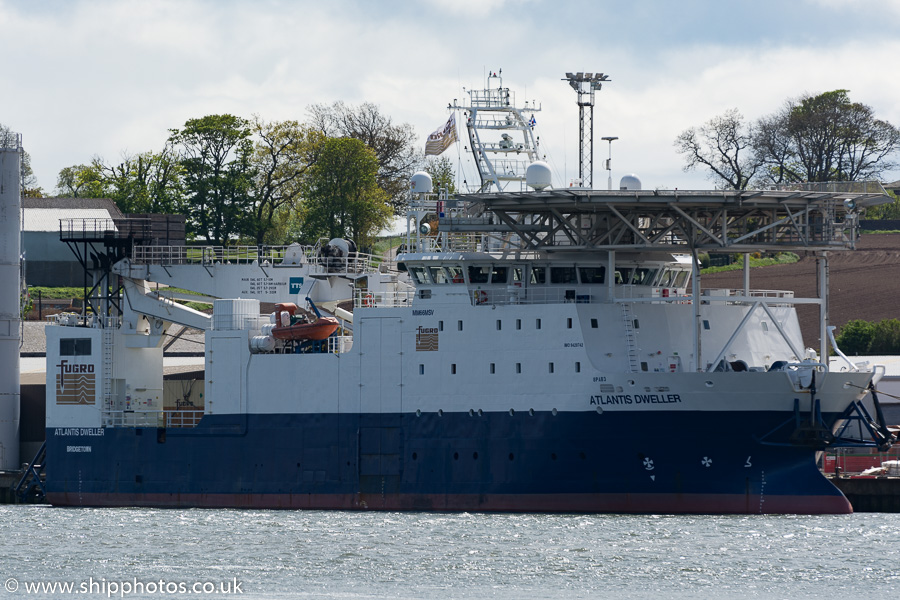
73,203
47,219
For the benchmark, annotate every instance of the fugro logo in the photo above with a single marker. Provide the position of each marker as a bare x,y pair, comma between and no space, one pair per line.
294,285
426,339
75,384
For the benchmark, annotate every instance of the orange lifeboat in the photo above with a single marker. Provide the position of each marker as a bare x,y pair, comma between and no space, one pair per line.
319,329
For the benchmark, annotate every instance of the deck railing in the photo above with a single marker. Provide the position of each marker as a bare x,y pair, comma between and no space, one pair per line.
264,256
152,418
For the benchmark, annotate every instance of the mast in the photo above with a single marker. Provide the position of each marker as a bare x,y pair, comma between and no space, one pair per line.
501,135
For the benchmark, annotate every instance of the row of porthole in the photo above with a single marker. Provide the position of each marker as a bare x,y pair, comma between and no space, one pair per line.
512,412
581,455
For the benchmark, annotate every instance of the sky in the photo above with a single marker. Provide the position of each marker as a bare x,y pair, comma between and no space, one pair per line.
86,78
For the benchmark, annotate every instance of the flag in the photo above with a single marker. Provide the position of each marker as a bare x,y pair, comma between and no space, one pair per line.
442,137
532,122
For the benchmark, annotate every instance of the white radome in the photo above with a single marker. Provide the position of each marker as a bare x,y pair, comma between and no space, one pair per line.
421,183
630,182
537,175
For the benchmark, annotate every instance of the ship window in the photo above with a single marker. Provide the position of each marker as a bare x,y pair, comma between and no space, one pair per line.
644,367
517,274
479,274
421,369
518,367
456,274
681,279
440,325
75,347
418,274
637,324
623,275
424,294
537,323
459,325
538,275
551,367
705,324
592,275
666,279
493,368
644,276
499,324
563,275
765,326
438,275
569,323
499,274
594,324
578,367
518,323
453,369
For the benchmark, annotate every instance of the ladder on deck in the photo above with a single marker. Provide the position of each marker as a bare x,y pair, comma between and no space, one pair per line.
108,333
630,337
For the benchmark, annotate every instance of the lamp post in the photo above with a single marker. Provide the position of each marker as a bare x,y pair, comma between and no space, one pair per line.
609,139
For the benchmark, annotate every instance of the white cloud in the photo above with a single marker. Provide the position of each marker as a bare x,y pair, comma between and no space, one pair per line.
91,78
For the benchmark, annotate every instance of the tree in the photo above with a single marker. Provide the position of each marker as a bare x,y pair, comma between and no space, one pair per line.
394,145
80,181
145,183
724,145
215,153
283,154
442,173
825,138
342,196
9,139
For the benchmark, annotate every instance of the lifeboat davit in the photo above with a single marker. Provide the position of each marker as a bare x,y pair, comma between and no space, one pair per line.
319,329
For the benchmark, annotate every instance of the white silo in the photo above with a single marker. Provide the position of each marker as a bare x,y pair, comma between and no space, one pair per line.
10,288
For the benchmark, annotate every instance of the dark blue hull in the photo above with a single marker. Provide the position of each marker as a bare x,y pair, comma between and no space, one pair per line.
677,462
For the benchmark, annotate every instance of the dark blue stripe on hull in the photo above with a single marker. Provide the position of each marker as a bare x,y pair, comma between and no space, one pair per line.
587,462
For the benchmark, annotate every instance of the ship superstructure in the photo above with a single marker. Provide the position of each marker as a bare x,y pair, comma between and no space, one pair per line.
554,352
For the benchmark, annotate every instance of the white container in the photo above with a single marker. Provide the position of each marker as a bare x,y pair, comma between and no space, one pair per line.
234,314
262,343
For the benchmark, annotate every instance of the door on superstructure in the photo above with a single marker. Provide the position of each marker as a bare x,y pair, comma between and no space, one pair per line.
379,366
380,432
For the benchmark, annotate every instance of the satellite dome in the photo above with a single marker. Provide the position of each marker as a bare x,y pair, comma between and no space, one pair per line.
537,175
630,182
421,183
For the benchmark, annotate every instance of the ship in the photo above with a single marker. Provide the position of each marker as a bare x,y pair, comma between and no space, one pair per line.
552,351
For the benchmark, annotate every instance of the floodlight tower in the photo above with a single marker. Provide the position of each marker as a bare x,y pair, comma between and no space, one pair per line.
585,84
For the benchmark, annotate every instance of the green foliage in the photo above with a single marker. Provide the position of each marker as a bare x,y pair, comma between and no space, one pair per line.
216,153
395,146
782,258
56,293
26,302
282,155
855,337
863,337
890,210
145,183
442,173
81,181
342,196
